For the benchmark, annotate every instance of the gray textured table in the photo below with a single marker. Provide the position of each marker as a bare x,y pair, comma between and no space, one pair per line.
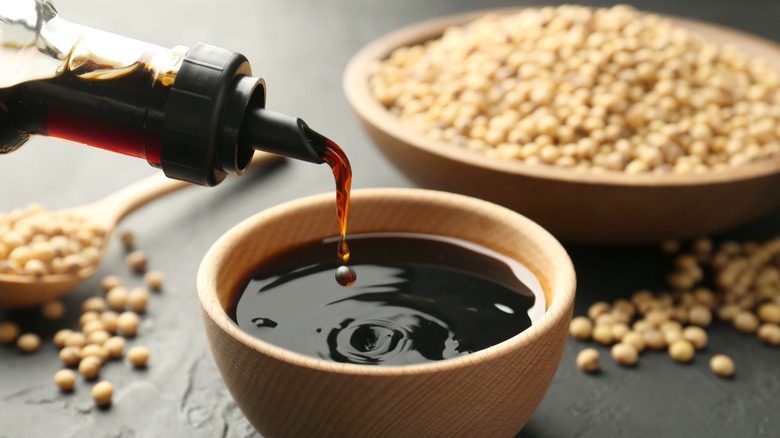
301,48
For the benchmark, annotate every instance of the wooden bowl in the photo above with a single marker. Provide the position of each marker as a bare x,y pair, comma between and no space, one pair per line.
488,393
608,208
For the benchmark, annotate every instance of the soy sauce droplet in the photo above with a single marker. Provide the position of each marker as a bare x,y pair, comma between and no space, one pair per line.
346,276
343,250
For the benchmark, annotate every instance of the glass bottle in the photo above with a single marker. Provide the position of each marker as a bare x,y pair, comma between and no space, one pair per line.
195,112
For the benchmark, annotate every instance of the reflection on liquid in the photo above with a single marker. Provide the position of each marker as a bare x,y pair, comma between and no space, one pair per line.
412,302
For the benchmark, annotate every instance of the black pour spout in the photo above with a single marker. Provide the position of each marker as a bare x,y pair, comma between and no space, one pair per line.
280,134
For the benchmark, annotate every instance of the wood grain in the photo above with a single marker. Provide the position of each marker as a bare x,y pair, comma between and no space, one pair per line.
489,393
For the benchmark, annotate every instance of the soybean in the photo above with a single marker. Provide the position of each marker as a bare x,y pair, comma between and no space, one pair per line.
769,334
127,323
154,280
70,356
65,379
138,356
696,336
89,367
625,354
682,351
115,346
102,393
137,260
588,360
28,343
9,331
722,365
137,300
581,327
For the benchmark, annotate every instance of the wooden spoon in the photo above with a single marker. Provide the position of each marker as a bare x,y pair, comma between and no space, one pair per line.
24,290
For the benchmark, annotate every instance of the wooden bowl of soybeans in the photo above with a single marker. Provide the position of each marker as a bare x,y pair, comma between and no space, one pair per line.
606,126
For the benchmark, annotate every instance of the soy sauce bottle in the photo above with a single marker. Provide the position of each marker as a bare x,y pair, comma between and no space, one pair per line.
195,112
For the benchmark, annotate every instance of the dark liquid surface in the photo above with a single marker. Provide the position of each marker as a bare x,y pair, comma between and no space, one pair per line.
419,299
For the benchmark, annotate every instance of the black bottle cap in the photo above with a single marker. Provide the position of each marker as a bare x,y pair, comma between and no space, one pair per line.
203,116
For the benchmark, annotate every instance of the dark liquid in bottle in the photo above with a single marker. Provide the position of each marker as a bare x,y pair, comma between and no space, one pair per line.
119,110
421,298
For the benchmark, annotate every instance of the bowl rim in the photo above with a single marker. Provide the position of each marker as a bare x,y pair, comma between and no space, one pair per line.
558,310
355,84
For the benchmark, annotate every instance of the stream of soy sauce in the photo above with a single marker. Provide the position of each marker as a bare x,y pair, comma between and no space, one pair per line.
342,173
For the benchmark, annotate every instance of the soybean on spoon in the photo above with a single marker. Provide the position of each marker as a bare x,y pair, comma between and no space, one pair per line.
19,290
